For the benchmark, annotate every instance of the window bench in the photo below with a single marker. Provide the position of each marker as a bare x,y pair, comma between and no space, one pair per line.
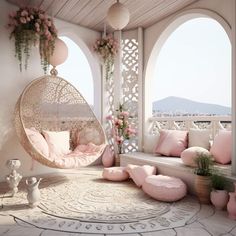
172,166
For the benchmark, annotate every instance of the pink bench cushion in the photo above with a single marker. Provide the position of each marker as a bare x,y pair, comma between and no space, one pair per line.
221,148
139,173
115,173
164,188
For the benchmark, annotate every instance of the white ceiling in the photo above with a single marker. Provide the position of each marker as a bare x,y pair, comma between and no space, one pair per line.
92,13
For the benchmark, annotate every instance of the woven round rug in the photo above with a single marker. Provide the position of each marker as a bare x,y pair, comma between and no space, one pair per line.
85,203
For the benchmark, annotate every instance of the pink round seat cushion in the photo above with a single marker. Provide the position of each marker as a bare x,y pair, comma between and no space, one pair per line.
164,188
115,173
139,173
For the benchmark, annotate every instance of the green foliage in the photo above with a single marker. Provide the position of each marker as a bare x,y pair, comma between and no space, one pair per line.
204,163
31,26
219,182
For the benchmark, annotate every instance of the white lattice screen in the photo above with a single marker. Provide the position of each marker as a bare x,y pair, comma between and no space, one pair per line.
126,90
130,87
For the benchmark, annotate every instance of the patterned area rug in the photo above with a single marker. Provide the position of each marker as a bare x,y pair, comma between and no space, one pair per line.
86,203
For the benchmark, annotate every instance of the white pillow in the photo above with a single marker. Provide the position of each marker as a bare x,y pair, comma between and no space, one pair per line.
189,155
58,142
199,138
150,142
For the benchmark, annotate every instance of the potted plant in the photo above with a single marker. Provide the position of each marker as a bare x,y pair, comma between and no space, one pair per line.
30,27
203,173
219,196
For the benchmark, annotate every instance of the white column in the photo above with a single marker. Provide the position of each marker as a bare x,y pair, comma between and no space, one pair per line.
118,71
140,89
234,91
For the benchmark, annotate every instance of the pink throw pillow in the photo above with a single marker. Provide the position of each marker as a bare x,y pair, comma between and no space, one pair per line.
221,148
115,173
172,142
38,141
139,173
108,157
189,155
58,142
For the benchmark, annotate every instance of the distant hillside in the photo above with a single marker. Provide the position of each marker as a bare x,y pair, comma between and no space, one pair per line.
183,105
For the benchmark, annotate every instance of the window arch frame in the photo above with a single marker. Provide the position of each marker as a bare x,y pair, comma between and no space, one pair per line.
166,31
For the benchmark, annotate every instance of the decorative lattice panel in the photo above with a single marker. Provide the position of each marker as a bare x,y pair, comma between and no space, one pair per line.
109,107
130,87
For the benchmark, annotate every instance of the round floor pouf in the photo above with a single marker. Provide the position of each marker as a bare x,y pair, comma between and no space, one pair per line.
164,188
115,173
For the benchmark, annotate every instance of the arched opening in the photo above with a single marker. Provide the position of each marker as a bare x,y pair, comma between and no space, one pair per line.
77,71
166,31
193,67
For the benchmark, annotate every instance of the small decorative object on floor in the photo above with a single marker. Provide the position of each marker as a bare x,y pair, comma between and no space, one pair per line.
203,173
231,206
13,178
33,195
219,196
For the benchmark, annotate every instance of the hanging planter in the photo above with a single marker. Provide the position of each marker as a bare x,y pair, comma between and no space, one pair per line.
31,27
106,48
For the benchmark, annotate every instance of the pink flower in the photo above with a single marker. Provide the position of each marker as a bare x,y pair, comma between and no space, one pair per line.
22,20
24,13
109,117
41,16
125,113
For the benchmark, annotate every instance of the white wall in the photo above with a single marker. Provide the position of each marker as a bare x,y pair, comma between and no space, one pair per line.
13,82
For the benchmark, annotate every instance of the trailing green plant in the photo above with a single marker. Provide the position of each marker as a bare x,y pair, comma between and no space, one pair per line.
107,48
31,26
219,182
204,164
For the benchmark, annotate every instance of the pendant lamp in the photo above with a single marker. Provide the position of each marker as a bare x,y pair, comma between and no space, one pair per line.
118,16
59,55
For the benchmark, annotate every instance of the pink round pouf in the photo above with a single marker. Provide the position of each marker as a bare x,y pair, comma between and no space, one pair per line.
115,173
164,188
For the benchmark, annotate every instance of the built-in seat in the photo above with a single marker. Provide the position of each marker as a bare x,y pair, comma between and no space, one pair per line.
171,166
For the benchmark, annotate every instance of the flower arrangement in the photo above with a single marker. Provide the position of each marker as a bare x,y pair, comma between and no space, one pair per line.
107,48
31,26
121,129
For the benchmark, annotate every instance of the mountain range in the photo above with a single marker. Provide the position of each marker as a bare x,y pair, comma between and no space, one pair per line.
174,105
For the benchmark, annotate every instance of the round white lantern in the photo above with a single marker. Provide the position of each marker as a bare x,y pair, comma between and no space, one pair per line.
60,53
118,16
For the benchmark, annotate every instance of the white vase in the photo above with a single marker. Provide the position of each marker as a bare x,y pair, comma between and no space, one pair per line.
13,178
219,198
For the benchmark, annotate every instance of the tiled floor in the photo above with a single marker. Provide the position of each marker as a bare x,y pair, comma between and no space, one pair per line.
206,222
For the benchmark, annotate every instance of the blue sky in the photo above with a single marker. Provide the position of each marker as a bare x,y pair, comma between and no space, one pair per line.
195,63
77,71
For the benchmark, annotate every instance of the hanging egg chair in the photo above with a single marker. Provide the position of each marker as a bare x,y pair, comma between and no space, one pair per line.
51,110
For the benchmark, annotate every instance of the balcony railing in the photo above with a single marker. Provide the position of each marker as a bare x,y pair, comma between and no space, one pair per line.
213,123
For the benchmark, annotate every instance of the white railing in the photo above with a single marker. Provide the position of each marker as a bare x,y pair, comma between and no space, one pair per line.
213,123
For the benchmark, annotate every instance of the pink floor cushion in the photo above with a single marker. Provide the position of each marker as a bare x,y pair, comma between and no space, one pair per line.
139,173
164,188
115,173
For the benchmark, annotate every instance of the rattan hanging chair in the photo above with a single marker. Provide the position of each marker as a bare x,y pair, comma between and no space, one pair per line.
51,103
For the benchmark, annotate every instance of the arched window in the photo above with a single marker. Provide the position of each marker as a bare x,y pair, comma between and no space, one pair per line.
195,64
77,71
